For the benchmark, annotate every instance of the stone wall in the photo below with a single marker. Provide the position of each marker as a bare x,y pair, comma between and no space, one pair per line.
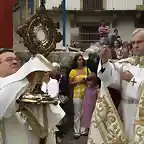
63,58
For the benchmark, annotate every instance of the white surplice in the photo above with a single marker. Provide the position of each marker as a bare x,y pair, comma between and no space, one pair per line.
111,77
52,89
14,128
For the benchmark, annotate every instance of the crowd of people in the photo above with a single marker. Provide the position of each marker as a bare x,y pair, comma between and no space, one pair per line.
85,84
120,48
76,88
74,85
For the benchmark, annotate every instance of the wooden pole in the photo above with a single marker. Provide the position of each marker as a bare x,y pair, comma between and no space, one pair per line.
35,5
21,13
64,22
27,10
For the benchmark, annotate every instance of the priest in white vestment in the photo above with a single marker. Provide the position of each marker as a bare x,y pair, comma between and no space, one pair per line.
9,64
126,76
14,127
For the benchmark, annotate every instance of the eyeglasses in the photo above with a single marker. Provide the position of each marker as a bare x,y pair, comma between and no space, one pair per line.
10,59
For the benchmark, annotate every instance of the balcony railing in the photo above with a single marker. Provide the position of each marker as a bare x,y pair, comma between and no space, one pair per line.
84,37
84,40
92,4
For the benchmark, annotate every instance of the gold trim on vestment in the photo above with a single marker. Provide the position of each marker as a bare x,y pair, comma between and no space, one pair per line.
107,122
139,122
37,101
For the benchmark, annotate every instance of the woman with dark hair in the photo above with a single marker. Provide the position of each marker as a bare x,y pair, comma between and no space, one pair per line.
117,48
77,78
116,44
125,50
130,49
76,64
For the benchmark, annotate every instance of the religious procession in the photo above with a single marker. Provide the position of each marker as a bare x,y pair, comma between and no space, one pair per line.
71,72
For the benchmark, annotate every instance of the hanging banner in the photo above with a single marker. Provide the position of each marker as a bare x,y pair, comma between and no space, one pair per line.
6,23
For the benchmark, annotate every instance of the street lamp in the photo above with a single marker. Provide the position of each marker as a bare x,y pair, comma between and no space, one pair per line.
64,22
86,56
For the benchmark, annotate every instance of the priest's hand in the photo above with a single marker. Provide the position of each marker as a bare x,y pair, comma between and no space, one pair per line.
21,107
105,54
127,76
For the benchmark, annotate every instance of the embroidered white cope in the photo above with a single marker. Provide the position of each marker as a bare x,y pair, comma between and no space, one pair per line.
130,103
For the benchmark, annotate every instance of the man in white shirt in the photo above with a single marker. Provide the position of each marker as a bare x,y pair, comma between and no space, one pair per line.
50,86
9,64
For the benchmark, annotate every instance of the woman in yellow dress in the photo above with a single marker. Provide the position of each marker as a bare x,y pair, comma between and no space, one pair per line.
77,78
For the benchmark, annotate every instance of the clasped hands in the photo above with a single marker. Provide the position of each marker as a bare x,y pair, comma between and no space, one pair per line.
127,76
81,81
105,54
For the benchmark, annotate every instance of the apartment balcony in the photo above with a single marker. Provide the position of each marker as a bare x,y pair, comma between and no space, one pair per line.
122,4
84,40
95,4
75,4
140,7
56,4
92,4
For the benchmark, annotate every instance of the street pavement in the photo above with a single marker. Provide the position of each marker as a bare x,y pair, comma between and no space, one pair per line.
68,139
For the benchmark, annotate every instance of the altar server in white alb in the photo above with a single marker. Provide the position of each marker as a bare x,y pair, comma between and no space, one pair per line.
51,87
13,84
127,76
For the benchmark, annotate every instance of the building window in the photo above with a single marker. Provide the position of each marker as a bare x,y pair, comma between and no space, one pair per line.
58,25
92,4
139,21
89,34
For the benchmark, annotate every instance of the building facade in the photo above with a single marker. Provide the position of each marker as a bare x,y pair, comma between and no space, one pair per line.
84,16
